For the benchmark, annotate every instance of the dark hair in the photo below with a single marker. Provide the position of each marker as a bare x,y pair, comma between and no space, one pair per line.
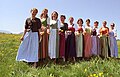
63,16
96,22
113,24
88,20
52,14
105,22
80,19
34,9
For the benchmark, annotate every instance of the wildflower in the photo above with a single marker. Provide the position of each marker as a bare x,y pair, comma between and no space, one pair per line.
91,75
94,75
85,70
100,74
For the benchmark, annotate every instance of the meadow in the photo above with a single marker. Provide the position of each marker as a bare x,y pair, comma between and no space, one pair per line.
9,67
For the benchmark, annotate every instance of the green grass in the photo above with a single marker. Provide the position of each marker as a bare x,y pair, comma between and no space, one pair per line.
118,42
9,67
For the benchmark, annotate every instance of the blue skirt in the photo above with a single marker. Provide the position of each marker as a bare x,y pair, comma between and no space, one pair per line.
28,50
113,47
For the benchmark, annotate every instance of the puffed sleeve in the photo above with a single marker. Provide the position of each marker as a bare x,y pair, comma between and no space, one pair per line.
66,26
83,27
58,22
26,24
39,24
76,27
48,21
115,32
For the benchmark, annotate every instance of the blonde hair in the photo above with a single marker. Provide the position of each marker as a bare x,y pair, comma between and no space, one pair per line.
45,9
42,13
71,18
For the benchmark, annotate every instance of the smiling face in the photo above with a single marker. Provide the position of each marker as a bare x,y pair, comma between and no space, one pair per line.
45,11
112,26
34,12
54,15
62,19
104,23
71,19
87,22
80,22
95,24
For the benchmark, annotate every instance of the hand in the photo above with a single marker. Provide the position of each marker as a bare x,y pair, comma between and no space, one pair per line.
77,34
41,33
107,34
43,27
61,30
22,38
48,31
68,31
84,33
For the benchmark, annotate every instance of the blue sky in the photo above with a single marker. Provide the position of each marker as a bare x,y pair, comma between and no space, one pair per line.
14,12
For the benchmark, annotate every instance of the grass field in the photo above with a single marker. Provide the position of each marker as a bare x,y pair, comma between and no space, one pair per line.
96,67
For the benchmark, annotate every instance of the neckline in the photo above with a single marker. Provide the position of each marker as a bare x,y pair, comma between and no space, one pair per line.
32,19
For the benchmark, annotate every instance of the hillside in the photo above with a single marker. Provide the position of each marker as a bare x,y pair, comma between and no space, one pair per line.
4,31
96,67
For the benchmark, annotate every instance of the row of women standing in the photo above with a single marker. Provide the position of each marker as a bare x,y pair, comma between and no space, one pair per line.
50,38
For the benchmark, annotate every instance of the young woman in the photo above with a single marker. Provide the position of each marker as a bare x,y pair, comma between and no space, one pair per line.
28,50
113,42
95,40
63,28
70,41
104,40
87,40
54,36
45,20
79,38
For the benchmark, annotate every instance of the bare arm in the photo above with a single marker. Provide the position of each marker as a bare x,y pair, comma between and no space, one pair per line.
22,38
107,32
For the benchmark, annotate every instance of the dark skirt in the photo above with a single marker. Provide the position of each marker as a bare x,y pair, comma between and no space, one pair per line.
44,46
62,45
70,46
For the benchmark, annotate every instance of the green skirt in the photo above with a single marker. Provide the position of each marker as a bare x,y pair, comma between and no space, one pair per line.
79,45
104,45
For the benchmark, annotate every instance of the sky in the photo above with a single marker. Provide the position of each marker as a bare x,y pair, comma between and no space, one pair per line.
13,13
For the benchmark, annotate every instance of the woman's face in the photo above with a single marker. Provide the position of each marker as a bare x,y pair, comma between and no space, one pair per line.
62,19
112,26
80,23
96,25
71,20
104,24
87,22
54,15
44,12
34,12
